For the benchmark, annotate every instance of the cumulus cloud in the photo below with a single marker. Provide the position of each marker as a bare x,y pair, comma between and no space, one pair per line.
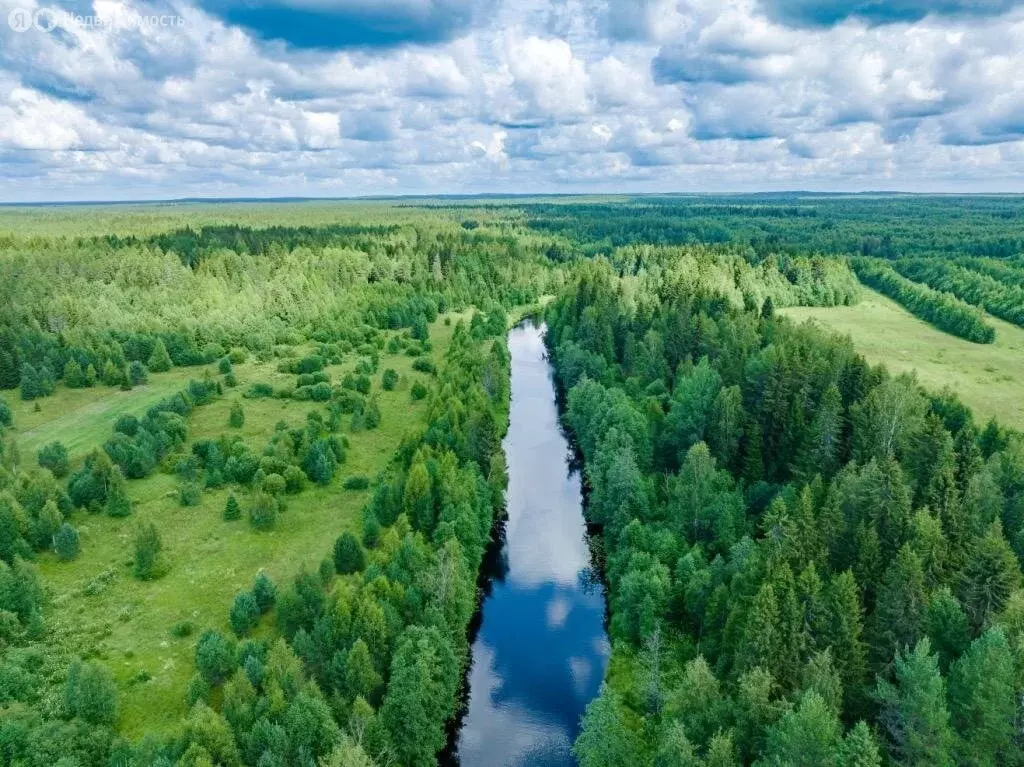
512,95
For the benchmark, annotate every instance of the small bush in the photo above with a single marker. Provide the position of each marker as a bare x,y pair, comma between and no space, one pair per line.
418,391
148,545
424,365
127,424
356,482
190,493
55,458
294,480
389,380
224,366
259,391
232,510
230,381
182,629
236,418
263,512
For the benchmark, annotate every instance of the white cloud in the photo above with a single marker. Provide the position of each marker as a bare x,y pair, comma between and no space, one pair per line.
560,95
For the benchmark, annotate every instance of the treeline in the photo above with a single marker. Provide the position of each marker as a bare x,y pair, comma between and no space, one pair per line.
997,298
742,277
104,310
1007,272
794,224
808,561
942,309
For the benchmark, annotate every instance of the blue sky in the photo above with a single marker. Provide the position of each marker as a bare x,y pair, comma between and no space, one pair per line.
140,100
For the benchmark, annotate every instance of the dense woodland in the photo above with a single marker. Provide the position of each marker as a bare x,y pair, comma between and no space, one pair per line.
808,560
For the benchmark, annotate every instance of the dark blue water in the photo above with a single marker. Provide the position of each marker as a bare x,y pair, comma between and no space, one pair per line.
541,650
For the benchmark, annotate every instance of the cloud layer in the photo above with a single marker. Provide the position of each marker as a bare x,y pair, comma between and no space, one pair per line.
131,100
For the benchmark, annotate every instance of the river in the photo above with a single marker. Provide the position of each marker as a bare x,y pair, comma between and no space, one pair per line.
540,652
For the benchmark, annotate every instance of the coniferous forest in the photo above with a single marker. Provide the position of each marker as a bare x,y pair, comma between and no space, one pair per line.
251,469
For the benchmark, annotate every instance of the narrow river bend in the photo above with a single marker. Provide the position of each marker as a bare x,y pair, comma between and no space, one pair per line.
541,650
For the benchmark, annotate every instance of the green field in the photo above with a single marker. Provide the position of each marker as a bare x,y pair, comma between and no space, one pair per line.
97,604
987,377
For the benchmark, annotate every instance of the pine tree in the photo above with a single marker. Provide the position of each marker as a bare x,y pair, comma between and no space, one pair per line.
982,700
808,735
264,591
236,418
232,509
859,748
843,633
348,554
118,502
606,739
31,383
9,371
913,713
65,543
159,361
992,573
899,619
74,376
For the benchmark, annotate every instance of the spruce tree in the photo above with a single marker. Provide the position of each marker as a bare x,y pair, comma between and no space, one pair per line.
236,418
232,509
913,715
31,383
982,700
74,376
65,543
159,361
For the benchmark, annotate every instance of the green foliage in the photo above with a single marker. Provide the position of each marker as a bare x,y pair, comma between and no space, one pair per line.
418,391
215,657
356,482
263,511
389,380
236,418
232,509
190,493
90,693
54,457
160,360
245,613
66,543
264,592
148,546
348,554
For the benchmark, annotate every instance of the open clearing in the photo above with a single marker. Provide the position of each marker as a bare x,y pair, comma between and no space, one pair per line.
97,604
988,377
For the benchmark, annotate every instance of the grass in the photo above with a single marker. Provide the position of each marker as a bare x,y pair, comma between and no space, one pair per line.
83,418
99,609
989,378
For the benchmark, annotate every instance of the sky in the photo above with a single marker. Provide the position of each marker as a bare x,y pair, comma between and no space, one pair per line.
108,100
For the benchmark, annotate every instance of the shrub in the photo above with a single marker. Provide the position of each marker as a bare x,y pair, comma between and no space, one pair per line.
54,457
182,629
259,391
138,374
264,592
244,614
232,510
419,391
224,366
65,543
294,480
263,512
127,424
237,356
356,482
230,381
190,493
147,552
371,414
389,380
348,554
424,365
236,419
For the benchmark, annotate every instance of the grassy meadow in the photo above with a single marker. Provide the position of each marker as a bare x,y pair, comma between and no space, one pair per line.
97,607
987,377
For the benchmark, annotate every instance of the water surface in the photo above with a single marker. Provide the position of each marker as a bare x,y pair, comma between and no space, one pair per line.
540,653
